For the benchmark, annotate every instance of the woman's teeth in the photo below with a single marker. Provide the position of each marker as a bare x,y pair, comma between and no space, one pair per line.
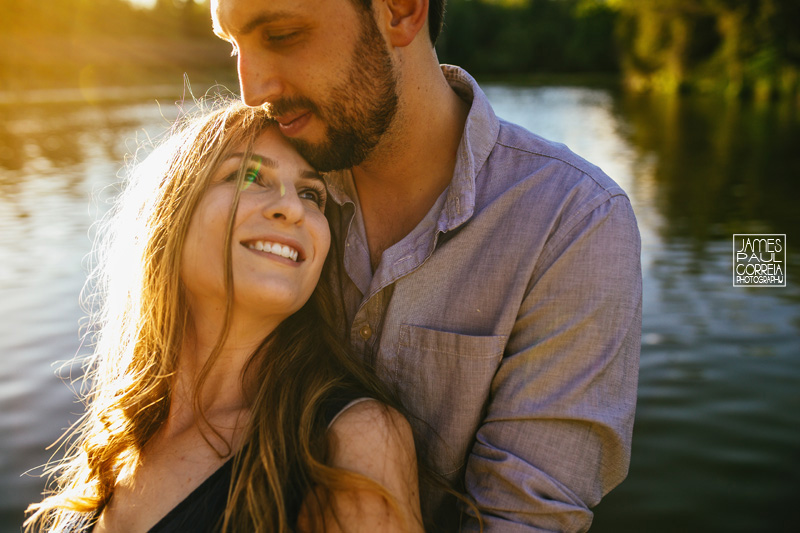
274,248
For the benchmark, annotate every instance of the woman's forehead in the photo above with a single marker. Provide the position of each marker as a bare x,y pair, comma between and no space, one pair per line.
271,150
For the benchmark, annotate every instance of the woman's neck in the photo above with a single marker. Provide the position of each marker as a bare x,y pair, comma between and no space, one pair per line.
209,388
217,359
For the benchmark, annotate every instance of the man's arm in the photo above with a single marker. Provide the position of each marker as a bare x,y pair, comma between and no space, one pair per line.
557,432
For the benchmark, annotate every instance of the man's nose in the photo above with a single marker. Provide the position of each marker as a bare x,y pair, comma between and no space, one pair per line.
259,79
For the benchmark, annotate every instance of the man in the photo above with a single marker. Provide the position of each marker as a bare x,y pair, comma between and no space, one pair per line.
491,276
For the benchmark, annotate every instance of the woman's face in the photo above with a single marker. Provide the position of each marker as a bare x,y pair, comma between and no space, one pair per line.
280,235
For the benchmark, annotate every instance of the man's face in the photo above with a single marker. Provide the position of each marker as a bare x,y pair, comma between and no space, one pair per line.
322,69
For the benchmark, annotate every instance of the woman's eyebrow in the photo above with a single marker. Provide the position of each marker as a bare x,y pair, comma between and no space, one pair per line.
263,160
271,163
312,174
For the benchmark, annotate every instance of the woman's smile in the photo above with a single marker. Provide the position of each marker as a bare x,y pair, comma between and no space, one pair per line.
275,249
279,223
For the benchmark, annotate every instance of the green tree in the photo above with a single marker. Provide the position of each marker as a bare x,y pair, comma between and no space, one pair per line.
736,46
528,36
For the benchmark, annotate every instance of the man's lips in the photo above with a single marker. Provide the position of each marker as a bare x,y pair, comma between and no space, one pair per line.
292,123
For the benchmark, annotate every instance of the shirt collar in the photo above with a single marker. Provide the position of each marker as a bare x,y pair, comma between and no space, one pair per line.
480,135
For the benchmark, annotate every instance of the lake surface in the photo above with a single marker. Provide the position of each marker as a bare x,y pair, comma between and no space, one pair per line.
717,434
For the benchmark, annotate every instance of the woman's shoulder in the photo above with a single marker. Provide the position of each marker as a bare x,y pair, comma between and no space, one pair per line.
366,410
340,406
366,428
373,440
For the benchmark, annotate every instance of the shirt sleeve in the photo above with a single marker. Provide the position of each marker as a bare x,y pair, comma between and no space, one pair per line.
556,435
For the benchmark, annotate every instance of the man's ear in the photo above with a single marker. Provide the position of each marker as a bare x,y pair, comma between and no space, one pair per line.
404,19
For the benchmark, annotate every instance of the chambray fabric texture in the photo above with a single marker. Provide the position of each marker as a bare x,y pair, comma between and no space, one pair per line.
509,320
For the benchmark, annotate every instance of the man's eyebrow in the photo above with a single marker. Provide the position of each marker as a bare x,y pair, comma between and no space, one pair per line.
253,23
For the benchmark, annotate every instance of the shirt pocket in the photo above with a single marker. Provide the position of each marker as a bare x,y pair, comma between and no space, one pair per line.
444,380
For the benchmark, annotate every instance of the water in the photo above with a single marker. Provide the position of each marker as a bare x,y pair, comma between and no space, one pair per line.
717,434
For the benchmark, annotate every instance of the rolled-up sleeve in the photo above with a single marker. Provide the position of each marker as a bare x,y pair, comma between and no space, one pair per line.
556,435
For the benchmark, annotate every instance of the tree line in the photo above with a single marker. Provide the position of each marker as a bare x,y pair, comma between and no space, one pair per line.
740,47
736,47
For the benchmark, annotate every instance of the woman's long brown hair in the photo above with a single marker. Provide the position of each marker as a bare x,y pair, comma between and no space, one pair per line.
139,322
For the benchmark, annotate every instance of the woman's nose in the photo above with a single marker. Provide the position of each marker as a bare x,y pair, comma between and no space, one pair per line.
285,205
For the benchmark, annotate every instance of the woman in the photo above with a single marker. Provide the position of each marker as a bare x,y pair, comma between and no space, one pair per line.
221,399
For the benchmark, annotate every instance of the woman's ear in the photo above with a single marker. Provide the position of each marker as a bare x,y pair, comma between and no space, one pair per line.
403,20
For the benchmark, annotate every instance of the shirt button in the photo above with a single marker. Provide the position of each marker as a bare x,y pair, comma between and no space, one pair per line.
365,332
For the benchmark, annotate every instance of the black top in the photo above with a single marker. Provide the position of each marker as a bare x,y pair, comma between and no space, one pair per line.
199,512
202,510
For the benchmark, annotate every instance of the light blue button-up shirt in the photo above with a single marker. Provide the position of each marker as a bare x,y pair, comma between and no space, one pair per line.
508,320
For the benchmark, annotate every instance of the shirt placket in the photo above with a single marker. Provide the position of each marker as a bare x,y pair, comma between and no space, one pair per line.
366,329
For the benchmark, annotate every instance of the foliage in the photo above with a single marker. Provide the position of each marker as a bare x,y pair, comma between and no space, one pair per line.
524,36
735,46
739,47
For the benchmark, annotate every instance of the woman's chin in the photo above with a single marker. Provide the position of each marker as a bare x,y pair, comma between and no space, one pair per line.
268,312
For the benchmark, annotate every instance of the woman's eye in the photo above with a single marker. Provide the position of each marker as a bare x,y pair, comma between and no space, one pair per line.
313,195
250,176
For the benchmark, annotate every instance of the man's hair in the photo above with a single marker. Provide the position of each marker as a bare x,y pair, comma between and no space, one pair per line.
435,15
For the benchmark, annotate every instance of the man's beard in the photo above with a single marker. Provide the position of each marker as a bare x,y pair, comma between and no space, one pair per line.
357,112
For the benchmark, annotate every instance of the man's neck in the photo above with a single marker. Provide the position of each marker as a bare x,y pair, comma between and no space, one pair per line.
413,164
